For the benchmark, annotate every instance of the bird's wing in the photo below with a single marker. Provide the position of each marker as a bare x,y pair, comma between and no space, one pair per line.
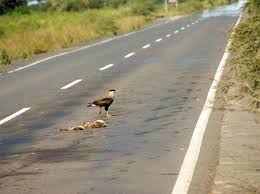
103,101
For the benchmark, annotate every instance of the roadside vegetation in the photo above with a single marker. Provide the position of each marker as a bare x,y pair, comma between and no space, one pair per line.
243,68
54,24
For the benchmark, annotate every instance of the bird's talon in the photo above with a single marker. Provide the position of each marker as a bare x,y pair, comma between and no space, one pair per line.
109,116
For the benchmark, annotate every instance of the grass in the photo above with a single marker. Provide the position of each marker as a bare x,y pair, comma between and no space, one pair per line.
22,36
243,67
26,35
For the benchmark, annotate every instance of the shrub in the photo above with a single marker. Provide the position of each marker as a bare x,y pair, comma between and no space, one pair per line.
9,5
2,32
191,6
116,3
107,25
245,61
142,7
21,10
95,4
5,59
42,6
254,6
73,5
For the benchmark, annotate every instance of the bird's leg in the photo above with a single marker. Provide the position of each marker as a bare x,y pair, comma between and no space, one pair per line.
108,115
100,111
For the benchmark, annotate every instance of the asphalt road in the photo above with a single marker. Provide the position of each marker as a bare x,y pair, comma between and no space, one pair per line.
163,74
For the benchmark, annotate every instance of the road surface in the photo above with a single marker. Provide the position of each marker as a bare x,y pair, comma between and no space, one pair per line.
163,74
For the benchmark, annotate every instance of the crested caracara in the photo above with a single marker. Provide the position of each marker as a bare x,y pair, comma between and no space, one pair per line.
104,102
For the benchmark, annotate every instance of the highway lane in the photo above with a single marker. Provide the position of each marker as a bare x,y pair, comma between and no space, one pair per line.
162,90
24,83
29,86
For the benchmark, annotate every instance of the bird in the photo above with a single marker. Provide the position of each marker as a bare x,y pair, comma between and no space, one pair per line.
104,102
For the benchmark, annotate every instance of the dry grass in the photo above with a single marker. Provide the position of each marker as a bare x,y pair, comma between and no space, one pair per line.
24,36
242,79
131,23
47,39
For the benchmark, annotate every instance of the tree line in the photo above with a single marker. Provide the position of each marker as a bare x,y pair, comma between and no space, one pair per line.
143,6
7,6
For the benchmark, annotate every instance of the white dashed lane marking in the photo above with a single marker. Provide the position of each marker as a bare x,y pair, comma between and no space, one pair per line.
146,46
182,28
176,32
159,40
71,84
168,35
129,55
14,115
106,67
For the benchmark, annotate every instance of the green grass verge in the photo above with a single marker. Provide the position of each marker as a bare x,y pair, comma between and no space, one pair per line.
243,67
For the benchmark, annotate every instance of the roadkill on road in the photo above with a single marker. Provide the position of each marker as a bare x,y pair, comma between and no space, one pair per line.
88,125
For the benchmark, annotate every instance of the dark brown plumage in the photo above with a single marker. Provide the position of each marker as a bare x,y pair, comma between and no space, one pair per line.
104,102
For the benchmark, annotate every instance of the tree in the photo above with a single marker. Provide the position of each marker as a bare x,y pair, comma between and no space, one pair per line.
9,5
115,3
96,4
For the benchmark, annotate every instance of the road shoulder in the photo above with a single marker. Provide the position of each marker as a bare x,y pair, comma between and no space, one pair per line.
239,167
205,170
230,153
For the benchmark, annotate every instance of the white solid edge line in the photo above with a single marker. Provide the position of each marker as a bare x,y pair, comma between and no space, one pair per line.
129,55
176,32
32,64
14,115
146,46
71,84
187,169
158,40
106,67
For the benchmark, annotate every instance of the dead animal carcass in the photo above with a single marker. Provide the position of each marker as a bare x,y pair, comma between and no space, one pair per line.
88,125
